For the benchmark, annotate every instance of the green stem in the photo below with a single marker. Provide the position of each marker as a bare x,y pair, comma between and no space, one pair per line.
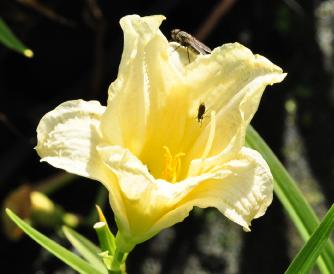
117,262
106,238
287,191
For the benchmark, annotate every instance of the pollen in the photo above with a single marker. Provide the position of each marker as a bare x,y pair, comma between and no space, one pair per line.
172,165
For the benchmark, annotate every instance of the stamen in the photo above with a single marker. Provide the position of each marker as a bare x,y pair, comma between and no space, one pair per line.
172,165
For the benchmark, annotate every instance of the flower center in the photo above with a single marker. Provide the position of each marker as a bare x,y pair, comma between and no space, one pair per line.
172,165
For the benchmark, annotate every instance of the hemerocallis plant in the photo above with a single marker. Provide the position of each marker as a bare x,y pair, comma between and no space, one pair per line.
148,146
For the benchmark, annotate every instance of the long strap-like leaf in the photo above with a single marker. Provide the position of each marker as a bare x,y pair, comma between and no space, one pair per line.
287,191
62,253
307,256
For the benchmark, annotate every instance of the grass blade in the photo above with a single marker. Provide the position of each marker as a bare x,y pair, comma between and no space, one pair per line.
85,247
287,191
307,256
8,38
60,252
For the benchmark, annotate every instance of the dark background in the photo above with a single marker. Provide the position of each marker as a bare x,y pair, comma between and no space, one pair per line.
77,47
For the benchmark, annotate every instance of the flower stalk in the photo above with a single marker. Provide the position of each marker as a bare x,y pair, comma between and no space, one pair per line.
118,264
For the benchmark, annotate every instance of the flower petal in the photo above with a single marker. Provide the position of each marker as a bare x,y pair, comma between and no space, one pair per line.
142,197
125,120
241,189
148,103
230,82
142,83
243,195
67,137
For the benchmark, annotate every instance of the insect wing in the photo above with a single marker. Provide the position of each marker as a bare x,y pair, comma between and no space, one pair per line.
200,47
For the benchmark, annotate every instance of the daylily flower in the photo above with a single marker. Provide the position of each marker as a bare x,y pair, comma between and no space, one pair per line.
148,147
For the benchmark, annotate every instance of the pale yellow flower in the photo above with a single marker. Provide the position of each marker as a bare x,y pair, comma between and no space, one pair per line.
148,148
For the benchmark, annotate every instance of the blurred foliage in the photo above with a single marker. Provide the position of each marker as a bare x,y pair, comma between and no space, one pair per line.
9,39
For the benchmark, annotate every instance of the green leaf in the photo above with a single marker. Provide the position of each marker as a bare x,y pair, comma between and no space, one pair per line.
60,252
287,191
86,248
8,38
307,256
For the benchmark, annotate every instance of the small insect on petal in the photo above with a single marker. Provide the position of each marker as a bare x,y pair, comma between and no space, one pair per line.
201,112
187,40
